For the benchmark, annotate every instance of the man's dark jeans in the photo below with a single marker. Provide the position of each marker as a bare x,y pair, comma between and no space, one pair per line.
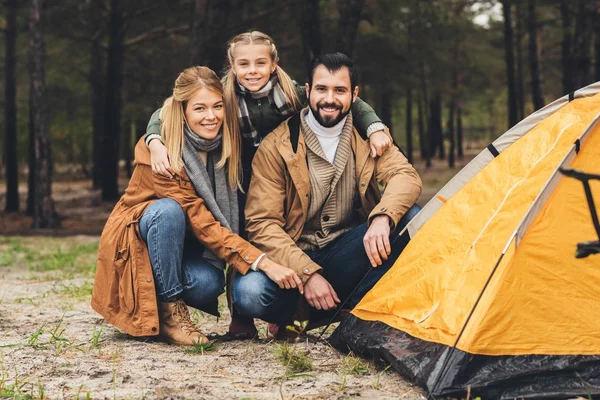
344,264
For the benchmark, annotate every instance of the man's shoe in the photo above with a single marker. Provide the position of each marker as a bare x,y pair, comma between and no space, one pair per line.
281,332
240,328
176,326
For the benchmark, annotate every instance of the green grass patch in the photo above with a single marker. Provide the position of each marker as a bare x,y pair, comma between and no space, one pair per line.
201,348
295,361
45,255
353,365
74,291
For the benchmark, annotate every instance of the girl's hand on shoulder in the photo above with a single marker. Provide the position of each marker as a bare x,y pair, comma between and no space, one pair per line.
159,159
284,277
379,142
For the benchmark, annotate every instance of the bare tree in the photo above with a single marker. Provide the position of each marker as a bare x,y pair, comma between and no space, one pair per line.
310,27
580,52
112,106
196,31
44,214
215,34
519,53
350,14
534,57
96,21
510,62
10,109
565,13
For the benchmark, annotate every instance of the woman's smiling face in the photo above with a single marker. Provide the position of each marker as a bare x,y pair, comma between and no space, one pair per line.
252,65
204,113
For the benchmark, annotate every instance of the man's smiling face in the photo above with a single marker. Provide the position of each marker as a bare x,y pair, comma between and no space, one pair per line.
331,95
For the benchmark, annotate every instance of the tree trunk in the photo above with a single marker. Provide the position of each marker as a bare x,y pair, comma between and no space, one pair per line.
10,110
565,14
386,106
436,135
510,62
423,142
451,119
216,34
127,151
31,155
580,54
310,28
112,106
597,44
459,132
196,32
350,15
534,57
96,78
409,138
44,215
519,54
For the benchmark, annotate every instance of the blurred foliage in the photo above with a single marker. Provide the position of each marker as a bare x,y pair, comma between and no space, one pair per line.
157,48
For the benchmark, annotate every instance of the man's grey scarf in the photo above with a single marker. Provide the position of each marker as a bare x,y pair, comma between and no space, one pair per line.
277,99
210,183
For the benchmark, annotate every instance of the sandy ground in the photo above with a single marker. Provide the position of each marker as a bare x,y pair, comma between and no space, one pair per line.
65,362
54,346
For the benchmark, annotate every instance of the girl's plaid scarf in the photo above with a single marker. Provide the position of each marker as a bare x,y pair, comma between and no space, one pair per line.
277,100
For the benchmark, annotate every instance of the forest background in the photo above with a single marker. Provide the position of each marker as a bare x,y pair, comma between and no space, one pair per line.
82,77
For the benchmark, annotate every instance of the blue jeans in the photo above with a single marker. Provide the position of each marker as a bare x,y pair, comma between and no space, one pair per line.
176,257
344,264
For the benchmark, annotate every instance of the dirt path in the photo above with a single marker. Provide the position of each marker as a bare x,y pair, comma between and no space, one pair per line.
54,346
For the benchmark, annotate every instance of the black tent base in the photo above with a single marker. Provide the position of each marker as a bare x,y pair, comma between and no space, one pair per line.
490,377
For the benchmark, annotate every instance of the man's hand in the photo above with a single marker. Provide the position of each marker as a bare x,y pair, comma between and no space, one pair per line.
284,277
379,143
377,240
320,294
159,159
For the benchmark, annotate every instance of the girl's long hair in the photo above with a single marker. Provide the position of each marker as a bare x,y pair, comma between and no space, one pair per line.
172,116
256,37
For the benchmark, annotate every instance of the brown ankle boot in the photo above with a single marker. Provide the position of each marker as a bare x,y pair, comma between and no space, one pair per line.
176,327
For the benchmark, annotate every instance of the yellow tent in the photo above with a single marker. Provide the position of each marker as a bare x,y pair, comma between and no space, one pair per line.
489,286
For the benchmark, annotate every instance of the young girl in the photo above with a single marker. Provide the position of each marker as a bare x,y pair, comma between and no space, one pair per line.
266,96
145,254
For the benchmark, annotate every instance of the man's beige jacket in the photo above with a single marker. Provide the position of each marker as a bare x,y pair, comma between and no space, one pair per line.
279,194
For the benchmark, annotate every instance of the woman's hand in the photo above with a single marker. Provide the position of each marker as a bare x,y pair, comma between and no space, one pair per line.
159,159
379,143
284,277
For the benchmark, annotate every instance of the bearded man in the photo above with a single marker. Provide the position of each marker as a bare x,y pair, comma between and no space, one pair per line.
318,204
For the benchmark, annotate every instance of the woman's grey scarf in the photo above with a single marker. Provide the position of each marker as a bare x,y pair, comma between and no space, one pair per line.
210,183
277,99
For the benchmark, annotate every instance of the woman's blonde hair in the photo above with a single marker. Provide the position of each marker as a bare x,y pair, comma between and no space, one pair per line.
256,37
172,116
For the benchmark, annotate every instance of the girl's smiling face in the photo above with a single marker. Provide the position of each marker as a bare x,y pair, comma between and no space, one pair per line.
252,65
204,113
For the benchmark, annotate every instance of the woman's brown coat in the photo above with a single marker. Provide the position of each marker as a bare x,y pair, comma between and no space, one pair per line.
124,292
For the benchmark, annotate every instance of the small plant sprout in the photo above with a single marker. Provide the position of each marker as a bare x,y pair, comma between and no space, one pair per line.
201,348
377,381
95,340
353,365
33,338
298,327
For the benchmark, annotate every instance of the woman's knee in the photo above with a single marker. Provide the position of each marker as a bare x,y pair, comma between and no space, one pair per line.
255,295
204,284
167,216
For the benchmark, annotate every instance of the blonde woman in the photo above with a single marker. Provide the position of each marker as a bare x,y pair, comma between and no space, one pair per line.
165,245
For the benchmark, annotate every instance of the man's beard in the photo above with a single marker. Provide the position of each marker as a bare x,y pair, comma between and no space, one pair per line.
328,121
